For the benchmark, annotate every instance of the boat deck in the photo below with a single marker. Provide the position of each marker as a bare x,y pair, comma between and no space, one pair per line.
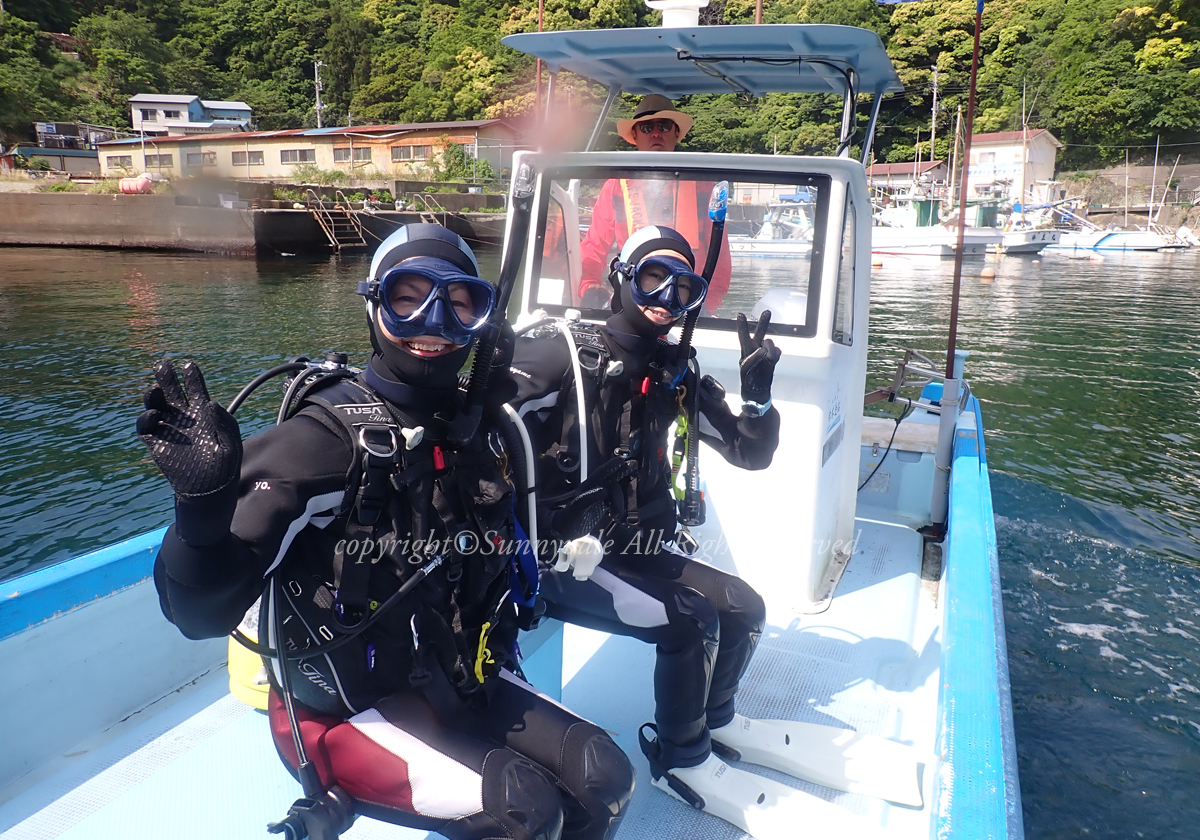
205,767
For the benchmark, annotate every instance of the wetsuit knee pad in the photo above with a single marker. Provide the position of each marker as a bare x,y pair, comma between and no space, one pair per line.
746,605
693,615
520,802
598,774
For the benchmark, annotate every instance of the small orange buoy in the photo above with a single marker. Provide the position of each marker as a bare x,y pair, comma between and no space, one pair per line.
988,273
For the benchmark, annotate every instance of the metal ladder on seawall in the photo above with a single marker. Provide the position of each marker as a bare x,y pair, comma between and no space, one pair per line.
431,208
340,224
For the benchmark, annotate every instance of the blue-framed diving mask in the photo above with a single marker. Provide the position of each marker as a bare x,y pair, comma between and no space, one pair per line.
666,282
430,296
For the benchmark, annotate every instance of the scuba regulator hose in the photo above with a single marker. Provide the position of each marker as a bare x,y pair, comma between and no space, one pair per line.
464,425
321,814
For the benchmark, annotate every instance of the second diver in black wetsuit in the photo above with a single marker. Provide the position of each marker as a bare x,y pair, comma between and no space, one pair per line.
417,717
614,572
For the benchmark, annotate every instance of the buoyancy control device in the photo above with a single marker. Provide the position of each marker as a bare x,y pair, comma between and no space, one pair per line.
616,420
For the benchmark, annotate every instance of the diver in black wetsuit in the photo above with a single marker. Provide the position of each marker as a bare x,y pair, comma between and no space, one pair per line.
417,715
704,622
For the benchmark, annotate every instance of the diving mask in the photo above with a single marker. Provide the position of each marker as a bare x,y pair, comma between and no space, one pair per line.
429,296
666,282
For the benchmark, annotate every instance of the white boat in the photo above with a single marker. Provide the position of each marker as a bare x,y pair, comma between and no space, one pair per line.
1028,241
909,226
786,231
1111,240
882,588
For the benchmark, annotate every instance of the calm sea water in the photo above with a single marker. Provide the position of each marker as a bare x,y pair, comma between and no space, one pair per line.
1087,370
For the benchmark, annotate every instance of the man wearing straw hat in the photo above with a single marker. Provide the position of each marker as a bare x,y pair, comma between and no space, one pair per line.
627,205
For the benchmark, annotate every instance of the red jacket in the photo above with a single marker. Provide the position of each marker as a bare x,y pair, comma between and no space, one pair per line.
612,224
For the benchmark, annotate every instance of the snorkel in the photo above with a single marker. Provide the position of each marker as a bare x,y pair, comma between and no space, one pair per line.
691,507
466,422
718,205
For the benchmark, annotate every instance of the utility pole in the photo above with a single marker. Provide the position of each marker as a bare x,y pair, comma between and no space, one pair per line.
758,11
317,65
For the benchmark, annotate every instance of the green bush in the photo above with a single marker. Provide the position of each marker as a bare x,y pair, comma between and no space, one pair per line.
109,186
58,187
310,173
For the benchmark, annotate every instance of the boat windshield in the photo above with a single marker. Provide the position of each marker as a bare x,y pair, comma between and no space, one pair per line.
766,261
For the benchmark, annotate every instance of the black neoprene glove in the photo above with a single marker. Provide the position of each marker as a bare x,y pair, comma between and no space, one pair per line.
759,357
197,445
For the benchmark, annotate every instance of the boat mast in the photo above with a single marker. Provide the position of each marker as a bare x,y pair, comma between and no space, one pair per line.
954,158
1153,183
962,199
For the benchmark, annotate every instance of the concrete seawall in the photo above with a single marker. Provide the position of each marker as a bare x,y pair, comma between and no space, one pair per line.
122,221
158,221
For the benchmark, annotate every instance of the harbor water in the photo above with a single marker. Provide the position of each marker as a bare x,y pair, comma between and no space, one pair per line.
1090,384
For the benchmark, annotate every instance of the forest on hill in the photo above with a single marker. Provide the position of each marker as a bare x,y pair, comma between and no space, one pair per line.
1103,75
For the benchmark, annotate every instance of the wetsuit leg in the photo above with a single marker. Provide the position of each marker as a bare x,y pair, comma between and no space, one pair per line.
585,762
621,598
742,612
404,762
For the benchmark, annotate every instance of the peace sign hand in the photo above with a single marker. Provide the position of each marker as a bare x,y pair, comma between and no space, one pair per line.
759,356
194,441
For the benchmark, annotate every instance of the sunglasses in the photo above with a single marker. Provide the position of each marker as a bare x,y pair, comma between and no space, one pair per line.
661,126
668,283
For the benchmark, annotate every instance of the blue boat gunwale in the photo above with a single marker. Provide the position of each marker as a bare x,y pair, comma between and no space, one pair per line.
979,791
38,596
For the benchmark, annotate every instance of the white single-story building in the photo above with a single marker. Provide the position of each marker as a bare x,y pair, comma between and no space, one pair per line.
372,151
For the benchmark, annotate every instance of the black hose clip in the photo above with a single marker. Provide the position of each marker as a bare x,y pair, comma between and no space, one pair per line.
324,818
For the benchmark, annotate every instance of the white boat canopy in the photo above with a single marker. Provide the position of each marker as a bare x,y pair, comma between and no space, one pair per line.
793,58
747,60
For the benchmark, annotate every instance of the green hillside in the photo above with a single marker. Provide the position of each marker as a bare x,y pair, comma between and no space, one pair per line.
1101,74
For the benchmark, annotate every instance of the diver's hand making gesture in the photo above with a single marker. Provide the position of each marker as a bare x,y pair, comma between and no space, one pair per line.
759,356
193,440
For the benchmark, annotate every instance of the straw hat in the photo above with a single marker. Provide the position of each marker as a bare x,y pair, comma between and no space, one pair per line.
654,106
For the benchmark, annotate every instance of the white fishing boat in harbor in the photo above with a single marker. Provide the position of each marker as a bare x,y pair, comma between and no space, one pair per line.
1086,236
911,226
871,539
786,231
1028,240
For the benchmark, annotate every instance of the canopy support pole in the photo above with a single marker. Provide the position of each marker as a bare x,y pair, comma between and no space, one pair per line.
870,138
848,113
613,93
550,94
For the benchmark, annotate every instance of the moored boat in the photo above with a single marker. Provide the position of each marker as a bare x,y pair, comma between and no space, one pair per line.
911,226
786,231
